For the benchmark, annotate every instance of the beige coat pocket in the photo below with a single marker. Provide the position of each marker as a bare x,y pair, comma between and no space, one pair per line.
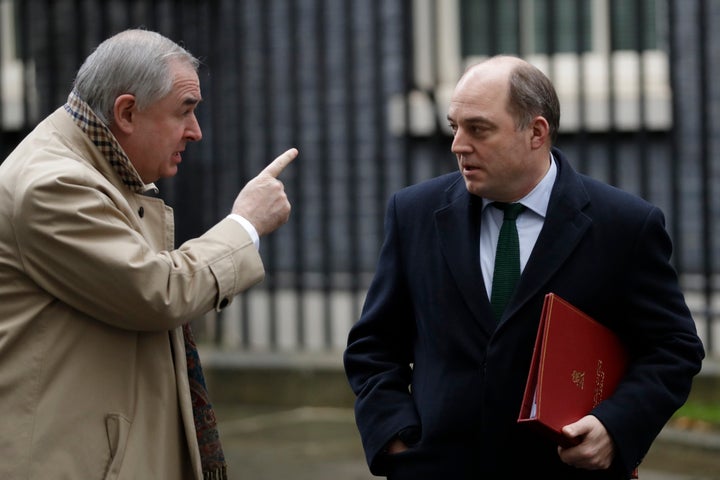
118,429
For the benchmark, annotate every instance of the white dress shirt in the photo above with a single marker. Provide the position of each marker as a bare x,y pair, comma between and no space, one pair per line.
529,223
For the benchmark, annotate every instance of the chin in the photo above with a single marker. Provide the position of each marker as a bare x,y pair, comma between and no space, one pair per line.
171,172
473,187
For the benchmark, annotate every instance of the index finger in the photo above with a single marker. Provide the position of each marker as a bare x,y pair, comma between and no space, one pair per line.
276,167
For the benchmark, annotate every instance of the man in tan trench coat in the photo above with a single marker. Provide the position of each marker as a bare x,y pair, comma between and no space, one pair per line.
94,298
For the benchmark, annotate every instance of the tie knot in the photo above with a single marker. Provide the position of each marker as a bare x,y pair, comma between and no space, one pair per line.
511,210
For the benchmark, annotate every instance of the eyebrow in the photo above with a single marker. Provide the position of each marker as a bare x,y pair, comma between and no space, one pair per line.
191,100
474,120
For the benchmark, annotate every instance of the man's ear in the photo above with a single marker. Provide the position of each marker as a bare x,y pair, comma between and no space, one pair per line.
124,112
540,130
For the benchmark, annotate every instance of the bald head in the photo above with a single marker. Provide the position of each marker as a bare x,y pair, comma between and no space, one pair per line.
504,115
528,91
494,68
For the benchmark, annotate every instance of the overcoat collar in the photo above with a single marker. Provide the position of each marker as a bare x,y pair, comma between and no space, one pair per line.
458,225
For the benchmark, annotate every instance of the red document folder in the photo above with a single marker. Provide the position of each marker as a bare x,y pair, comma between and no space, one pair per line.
577,362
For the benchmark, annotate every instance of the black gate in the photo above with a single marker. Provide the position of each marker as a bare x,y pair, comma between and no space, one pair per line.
342,80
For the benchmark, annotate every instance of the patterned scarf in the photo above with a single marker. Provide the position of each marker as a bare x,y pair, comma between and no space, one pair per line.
211,453
208,438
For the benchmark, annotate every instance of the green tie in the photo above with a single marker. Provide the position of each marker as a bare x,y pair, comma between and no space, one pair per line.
507,258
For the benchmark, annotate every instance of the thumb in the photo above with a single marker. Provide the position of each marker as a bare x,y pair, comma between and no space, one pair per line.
575,431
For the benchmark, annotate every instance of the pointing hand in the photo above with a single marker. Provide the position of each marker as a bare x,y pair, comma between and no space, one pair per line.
263,201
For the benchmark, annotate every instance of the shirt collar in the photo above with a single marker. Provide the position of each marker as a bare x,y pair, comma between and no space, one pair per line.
106,142
539,197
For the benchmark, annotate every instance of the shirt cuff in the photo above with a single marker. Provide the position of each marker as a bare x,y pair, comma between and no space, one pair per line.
248,227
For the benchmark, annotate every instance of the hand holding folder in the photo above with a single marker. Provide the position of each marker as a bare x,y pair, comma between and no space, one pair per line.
577,362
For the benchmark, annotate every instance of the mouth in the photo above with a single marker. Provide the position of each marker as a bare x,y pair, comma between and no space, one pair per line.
177,157
473,173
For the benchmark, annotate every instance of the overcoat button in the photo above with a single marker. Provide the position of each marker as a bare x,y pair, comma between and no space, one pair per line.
141,212
223,303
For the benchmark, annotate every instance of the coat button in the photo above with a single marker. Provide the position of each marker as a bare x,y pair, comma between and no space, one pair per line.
141,212
223,303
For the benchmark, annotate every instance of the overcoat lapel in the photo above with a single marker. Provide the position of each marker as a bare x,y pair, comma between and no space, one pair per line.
458,228
565,225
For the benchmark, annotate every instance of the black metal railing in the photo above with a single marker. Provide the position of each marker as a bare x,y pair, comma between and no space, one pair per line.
322,75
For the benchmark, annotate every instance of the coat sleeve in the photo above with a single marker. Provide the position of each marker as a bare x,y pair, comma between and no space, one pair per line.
666,352
378,356
79,240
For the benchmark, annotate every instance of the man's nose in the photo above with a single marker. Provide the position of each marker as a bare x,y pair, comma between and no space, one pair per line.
459,144
194,132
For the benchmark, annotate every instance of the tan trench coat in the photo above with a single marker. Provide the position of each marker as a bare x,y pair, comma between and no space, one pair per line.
93,380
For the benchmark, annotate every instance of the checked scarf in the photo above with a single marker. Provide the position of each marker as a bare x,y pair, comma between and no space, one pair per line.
211,453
